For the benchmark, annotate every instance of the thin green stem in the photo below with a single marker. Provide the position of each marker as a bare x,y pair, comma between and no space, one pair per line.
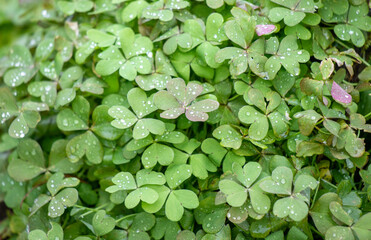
316,231
124,217
91,210
233,98
353,84
315,194
332,185
368,115
347,47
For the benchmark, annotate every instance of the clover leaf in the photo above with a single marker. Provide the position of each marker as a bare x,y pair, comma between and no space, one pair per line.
31,155
179,98
134,62
141,187
237,194
159,78
86,144
177,201
21,68
285,54
259,122
102,224
59,199
26,116
75,118
294,12
69,8
142,106
162,10
281,183
352,21
56,232
240,59
229,136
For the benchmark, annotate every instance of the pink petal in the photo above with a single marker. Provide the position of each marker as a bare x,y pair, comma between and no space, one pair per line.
264,29
340,94
243,4
196,116
325,101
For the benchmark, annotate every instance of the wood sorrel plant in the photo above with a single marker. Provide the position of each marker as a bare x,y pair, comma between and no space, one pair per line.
180,119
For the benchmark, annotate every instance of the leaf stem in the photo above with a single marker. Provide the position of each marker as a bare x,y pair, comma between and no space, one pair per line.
329,183
367,115
233,98
316,231
124,217
315,194
91,210
345,46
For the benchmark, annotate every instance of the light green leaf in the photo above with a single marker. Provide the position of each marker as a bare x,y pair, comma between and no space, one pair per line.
102,224
157,153
176,174
279,183
85,144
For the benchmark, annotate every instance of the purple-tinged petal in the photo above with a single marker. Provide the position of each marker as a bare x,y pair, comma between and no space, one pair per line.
264,29
207,105
172,113
325,101
340,94
177,88
196,116
193,90
242,5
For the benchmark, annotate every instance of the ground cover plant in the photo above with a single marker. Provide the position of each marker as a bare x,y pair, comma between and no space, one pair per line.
185,119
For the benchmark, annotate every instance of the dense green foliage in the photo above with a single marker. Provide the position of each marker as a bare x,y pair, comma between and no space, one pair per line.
185,119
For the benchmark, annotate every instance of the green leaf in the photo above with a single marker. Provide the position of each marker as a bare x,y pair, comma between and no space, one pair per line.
44,49
236,194
215,152
340,214
57,182
283,82
148,177
259,123
70,76
58,160
214,221
201,165
141,105
146,126
339,231
65,198
279,183
85,144
67,120
177,201
16,76
176,174
157,153
124,118
47,91
145,194
296,209
307,149
101,38
102,224
288,55
30,163
229,136
307,120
